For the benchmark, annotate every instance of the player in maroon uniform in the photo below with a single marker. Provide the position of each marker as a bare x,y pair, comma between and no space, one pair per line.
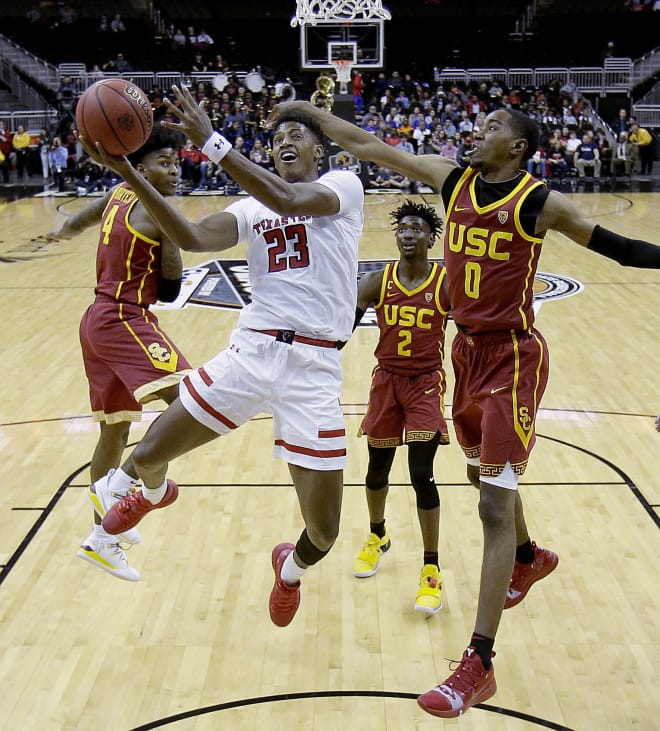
129,360
407,389
497,216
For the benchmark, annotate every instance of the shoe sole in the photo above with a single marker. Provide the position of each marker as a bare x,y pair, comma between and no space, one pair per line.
514,602
427,610
108,569
95,502
371,572
488,692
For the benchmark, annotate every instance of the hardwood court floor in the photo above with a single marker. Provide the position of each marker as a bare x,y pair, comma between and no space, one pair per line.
191,647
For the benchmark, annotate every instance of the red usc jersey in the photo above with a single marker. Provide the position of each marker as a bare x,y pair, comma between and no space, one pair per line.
490,260
412,323
127,262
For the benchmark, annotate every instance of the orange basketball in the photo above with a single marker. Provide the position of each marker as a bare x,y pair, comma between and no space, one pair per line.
116,113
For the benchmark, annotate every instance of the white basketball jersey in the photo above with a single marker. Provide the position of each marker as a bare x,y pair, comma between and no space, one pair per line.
303,269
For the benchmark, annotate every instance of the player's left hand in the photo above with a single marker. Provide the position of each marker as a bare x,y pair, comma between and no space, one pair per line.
194,122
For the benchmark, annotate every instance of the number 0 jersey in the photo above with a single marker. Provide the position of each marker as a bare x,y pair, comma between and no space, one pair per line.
490,260
412,323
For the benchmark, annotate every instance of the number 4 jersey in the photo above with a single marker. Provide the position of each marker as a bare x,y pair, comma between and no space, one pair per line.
303,269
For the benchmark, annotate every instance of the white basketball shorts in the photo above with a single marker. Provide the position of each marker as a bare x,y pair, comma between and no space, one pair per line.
298,384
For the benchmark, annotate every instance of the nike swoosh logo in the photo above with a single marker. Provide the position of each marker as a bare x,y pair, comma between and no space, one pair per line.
495,390
429,390
457,209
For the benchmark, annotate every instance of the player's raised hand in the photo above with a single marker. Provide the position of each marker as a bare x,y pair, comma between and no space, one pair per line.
194,122
283,108
97,152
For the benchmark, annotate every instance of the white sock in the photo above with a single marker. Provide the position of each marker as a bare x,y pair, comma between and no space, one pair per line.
291,573
121,481
156,495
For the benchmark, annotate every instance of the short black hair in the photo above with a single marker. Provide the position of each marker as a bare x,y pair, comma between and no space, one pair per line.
420,210
159,138
525,127
301,118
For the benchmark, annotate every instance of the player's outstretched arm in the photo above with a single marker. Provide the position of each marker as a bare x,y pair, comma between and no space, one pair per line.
285,198
81,220
430,169
561,214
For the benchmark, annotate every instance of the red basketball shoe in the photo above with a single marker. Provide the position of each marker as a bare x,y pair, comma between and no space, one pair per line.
525,574
130,510
284,598
468,685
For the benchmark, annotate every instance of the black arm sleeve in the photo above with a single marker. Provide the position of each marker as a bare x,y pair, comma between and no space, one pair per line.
628,252
358,316
168,289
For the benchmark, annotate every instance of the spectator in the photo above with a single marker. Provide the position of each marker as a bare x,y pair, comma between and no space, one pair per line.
4,166
643,141
405,145
358,90
178,40
191,159
381,177
6,150
204,40
104,26
58,158
449,149
537,164
557,165
587,156
118,64
622,157
21,142
44,143
621,123
260,154
117,24
198,63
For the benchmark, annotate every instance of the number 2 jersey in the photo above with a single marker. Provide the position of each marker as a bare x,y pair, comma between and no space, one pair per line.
303,269
411,323
491,258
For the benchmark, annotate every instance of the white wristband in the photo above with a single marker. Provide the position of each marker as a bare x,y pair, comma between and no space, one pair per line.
216,147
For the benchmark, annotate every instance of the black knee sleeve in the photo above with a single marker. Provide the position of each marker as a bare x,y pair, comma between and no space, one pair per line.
380,463
307,551
420,464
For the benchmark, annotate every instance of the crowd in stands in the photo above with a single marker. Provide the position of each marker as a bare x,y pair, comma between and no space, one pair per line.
423,118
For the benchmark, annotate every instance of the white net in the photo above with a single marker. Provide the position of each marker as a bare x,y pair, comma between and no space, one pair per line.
343,71
313,11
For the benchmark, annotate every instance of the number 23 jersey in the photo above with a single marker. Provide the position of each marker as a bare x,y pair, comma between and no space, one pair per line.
303,269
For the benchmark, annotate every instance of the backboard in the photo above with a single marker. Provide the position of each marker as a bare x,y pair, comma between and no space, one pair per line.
361,41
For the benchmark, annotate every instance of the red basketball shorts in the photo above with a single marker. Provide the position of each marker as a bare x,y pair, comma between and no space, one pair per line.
128,359
500,379
405,408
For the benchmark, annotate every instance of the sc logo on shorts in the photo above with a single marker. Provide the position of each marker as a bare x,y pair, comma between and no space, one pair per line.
159,353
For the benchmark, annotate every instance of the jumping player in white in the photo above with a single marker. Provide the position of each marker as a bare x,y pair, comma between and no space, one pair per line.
283,357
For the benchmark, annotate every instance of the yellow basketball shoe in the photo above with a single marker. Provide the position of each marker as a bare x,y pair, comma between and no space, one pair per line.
366,562
429,596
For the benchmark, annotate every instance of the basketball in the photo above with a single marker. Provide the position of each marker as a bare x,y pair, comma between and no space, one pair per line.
116,113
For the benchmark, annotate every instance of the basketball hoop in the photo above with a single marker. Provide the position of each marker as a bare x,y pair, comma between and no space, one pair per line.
313,11
343,68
